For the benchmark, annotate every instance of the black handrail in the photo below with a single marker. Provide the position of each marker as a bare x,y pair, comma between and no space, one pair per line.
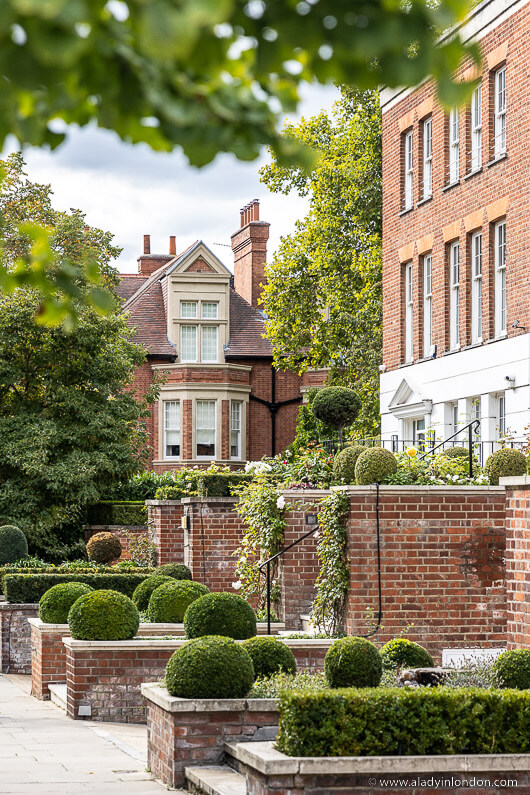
469,428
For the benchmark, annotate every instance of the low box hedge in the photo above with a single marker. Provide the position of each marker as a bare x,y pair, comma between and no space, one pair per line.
117,512
404,721
216,484
21,588
51,569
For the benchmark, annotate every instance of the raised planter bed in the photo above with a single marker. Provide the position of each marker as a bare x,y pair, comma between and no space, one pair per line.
183,732
103,678
269,772
15,644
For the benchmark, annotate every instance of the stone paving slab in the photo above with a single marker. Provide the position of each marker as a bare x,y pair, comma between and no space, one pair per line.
42,751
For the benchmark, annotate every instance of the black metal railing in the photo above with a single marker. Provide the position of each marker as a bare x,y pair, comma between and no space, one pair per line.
471,428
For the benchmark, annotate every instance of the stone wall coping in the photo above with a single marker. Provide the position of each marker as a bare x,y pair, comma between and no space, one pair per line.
140,642
159,695
208,500
144,629
385,489
521,480
19,606
263,757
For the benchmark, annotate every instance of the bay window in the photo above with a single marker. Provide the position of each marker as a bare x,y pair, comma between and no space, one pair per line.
235,429
205,428
172,429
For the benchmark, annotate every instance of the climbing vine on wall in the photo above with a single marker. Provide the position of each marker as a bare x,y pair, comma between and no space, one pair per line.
262,508
327,612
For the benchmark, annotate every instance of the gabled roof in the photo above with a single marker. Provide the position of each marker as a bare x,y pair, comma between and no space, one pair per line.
247,326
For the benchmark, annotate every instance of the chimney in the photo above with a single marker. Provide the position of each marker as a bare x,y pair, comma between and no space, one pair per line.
148,263
172,245
249,245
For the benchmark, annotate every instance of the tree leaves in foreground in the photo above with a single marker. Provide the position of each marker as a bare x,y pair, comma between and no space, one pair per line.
323,295
69,425
208,75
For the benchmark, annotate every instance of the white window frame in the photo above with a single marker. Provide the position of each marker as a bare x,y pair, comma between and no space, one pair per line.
454,145
166,405
476,287
205,331
419,432
192,305
205,310
454,419
236,420
197,429
185,356
500,278
427,158
499,147
427,304
409,170
476,129
454,297
502,416
409,316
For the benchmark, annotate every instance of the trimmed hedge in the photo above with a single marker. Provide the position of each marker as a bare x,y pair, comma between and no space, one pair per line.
177,571
55,604
220,614
143,570
103,615
126,512
374,465
345,461
168,603
404,653
210,667
219,484
505,463
269,656
404,721
13,544
104,548
353,662
22,588
142,593
513,668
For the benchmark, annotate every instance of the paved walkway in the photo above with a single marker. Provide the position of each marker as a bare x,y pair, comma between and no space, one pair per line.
43,751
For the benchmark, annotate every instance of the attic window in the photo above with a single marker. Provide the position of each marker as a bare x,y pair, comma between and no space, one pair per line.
188,309
210,310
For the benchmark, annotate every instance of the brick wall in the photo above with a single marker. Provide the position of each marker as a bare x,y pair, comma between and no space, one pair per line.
474,203
119,531
15,649
165,517
518,565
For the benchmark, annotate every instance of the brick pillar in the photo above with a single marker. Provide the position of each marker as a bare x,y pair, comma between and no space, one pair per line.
48,656
518,561
225,430
187,430
165,521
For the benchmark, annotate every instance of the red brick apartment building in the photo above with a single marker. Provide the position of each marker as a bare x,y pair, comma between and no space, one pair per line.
201,326
456,246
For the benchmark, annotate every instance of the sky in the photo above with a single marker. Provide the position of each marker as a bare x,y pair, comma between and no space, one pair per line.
131,190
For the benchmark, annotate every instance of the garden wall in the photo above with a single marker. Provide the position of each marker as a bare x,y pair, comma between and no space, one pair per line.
119,531
518,560
15,650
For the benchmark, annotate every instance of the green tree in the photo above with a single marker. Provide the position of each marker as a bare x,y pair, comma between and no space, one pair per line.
323,296
69,424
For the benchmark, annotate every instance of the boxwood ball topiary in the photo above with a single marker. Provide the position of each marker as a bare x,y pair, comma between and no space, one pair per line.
270,655
210,667
344,463
169,601
353,662
104,548
55,604
13,544
456,452
505,463
220,614
403,653
142,592
374,465
178,571
103,615
337,406
513,669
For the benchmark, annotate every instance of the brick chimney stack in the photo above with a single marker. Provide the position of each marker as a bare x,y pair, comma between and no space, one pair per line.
148,263
249,245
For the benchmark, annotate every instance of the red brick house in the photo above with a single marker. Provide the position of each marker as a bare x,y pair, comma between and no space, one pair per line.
201,326
456,277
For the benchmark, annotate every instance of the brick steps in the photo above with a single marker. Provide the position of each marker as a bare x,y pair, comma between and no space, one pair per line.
58,695
215,780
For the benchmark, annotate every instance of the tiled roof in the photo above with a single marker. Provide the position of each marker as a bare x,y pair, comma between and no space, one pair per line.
129,284
147,314
247,327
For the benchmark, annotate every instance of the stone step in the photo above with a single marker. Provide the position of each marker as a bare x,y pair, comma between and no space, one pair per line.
58,695
215,780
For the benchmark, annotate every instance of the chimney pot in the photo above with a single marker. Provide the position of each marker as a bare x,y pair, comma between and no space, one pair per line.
242,216
147,244
172,244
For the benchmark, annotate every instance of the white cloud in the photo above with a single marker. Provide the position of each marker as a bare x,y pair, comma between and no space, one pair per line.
131,191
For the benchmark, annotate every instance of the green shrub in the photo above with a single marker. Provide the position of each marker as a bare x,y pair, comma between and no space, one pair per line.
505,463
269,656
114,512
55,604
142,592
344,464
210,667
455,452
169,602
13,544
220,614
353,662
207,484
103,615
337,406
406,721
104,548
374,465
403,653
21,588
513,669
178,571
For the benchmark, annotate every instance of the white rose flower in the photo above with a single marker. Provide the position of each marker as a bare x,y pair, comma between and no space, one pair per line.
280,502
236,585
